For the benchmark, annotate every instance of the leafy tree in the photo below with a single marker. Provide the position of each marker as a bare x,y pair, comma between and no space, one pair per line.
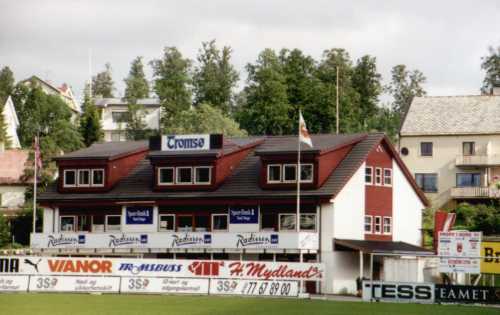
491,65
137,87
266,108
6,83
204,119
215,77
6,88
102,83
305,91
136,84
366,82
90,122
480,217
5,238
172,83
404,86
349,101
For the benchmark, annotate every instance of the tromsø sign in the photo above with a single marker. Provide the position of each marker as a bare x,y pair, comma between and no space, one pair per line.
185,142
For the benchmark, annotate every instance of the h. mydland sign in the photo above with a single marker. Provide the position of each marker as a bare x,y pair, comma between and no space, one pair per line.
185,142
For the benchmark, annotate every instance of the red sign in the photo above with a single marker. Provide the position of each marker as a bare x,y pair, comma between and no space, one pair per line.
80,266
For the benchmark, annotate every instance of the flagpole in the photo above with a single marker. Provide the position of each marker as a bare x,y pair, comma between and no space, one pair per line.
297,218
34,188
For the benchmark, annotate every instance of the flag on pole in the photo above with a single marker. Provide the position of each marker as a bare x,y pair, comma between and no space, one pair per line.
38,157
303,133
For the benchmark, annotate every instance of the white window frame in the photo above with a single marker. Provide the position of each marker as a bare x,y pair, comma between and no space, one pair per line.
371,175
92,177
64,177
371,224
209,175
177,172
74,223
279,221
106,222
158,175
379,225
378,177
390,226
390,176
281,173
227,222
159,222
312,173
315,222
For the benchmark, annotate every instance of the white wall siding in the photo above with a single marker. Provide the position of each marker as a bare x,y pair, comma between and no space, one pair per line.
407,209
48,220
349,208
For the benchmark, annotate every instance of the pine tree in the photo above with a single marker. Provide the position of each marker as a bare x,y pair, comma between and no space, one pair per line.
136,88
491,65
404,86
367,82
90,122
102,83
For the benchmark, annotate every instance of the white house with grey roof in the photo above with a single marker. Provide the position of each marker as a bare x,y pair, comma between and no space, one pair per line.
451,144
114,111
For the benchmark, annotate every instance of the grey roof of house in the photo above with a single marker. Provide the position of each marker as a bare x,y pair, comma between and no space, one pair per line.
103,102
242,183
106,150
448,115
367,246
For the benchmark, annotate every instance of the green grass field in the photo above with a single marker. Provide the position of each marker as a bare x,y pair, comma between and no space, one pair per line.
76,304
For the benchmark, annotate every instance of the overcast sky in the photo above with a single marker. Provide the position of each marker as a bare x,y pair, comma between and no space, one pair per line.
443,39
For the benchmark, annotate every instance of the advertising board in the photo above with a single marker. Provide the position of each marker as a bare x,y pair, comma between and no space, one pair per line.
460,247
491,264
10,283
467,294
164,285
45,283
254,287
398,292
244,215
139,215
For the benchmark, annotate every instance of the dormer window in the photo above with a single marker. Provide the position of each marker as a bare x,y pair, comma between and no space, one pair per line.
83,178
69,178
202,174
166,175
184,175
98,177
287,173
274,173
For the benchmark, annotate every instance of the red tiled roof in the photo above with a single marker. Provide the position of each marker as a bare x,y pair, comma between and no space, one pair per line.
12,165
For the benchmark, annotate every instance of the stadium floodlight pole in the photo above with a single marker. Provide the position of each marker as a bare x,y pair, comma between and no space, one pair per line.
337,118
297,176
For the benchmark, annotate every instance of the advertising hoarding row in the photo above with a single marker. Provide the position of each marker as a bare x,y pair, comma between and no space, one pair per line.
133,267
176,240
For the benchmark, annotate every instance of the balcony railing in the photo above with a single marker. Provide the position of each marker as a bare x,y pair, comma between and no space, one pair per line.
176,241
475,192
477,160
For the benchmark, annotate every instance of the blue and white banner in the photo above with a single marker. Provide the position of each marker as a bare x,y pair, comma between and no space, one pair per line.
139,215
244,215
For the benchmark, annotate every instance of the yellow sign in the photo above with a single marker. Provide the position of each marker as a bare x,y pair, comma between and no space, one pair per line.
491,250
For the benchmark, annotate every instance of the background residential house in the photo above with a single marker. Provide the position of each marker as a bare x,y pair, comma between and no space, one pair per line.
63,91
451,144
12,183
114,114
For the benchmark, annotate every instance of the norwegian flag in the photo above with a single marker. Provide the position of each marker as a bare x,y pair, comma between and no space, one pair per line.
303,133
38,157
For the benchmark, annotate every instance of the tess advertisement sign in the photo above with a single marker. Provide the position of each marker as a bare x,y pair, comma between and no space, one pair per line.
460,247
185,142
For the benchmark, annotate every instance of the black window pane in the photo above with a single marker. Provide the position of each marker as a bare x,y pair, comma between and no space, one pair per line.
98,177
220,222
184,175
201,222
468,180
185,222
274,173
290,172
167,222
203,175
426,148
306,172
468,148
427,182
69,178
166,175
83,177
268,221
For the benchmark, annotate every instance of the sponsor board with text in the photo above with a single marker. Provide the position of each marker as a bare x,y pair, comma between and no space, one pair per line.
254,287
490,264
460,247
467,294
45,283
398,292
164,285
9,283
